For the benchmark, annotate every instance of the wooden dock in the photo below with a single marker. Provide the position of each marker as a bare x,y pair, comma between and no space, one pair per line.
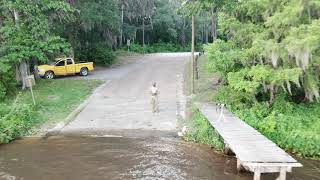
254,152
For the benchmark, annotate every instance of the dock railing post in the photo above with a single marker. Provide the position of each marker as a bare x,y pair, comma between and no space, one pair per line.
239,165
283,172
221,116
257,173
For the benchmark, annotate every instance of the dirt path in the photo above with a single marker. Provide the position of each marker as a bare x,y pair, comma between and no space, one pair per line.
124,101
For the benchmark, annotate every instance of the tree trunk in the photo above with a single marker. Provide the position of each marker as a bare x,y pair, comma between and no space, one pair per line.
22,71
272,94
143,33
135,36
22,68
16,17
202,30
207,35
35,67
183,34
121,26
18,76
214,24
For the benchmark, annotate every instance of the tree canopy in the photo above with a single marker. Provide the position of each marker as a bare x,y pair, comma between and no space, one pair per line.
269,46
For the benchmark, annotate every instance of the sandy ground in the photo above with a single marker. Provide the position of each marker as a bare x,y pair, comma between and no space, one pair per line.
123,103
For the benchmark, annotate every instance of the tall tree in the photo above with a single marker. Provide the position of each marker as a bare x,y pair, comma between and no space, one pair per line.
26,34
270,47
140,11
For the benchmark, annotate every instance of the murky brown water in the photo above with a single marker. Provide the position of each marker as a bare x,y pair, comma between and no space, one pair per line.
82,158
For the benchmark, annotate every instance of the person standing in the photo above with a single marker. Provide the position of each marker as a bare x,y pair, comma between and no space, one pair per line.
154,98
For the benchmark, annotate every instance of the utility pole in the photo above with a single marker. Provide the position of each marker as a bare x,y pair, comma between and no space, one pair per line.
192,50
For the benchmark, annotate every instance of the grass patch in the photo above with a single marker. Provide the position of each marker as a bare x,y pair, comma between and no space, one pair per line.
55,99
202,132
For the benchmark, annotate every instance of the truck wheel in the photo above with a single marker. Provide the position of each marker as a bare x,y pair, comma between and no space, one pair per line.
49,75
84,72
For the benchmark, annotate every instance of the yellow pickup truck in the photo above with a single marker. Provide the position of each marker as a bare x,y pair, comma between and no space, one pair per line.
63,67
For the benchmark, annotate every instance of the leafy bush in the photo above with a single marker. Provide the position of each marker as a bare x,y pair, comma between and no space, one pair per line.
7,84
103,56
100,55
15,120
136,48
233,98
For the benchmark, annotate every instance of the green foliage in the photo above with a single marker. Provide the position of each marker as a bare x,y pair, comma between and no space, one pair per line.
100,55
15,120
160,47
250,80
203,132
233,98
97,23
103,56
222,57
240,82
134,47
168,25
25,35
97,15
266,48
7,84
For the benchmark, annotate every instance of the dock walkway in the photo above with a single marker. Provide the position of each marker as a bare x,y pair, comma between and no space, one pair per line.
254,152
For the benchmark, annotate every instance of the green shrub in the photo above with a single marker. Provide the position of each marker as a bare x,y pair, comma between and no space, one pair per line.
136,48
7,84
236,99
103,56
15,120
100,55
